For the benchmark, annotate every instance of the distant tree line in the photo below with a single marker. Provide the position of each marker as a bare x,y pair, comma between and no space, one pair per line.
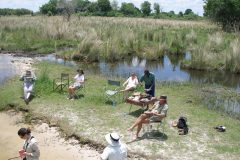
224,12
19,12
107,8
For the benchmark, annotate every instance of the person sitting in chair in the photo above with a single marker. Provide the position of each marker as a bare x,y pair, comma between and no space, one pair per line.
79,80
131,84
28,81
157,113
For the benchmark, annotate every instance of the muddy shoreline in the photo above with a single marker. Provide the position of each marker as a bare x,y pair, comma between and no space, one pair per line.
52,144
22,54
26,118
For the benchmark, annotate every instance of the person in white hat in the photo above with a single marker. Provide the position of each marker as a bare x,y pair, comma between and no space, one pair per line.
116,150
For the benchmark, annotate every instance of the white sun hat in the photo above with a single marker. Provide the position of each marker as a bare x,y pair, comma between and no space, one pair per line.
113,139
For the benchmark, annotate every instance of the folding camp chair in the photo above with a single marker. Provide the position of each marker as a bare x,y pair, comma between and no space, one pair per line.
112,91
80,91
154,128
60,83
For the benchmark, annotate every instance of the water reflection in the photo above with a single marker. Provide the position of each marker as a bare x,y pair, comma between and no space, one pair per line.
52,58
222,78
230,105
165,69
7,70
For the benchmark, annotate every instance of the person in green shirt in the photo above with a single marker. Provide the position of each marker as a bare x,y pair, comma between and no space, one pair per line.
149,80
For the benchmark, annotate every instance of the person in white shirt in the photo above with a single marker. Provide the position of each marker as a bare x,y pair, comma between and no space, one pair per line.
116,150
79,80
30,149
131,84
28,84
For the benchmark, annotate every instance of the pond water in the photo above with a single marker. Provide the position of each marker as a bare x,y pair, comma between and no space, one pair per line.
7,70
166,69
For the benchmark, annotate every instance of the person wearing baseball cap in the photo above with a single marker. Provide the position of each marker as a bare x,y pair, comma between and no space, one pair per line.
116,150
157,113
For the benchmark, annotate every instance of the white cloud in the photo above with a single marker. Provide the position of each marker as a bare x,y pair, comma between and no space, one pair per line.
166,5
28,4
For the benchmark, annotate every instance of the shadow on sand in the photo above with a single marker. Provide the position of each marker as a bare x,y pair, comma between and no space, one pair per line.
152,135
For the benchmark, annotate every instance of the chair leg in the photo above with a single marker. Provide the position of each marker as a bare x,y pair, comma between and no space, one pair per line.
130,108
114,103
160,128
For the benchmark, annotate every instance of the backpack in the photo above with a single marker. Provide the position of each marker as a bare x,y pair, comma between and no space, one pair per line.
182,124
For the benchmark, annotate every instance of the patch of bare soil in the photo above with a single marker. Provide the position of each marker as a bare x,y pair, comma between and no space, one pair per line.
52,145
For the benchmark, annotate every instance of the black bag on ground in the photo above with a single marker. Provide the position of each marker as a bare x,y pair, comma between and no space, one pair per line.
182,124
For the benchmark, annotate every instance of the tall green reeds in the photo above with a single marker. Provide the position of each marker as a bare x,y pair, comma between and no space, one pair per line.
112,39
219,51
43,84
233,56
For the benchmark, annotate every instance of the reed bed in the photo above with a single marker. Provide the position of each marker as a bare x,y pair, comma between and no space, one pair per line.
116,38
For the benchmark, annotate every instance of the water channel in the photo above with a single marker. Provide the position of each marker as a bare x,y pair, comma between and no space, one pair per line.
166,70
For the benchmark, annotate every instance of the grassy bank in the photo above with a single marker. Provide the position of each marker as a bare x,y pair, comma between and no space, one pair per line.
91,118
95,38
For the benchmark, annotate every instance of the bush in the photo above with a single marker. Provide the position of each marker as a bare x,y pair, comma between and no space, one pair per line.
43,84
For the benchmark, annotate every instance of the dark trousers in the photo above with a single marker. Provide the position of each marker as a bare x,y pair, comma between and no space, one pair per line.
152,90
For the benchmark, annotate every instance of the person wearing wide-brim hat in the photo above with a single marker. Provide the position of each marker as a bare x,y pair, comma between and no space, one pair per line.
116,150
157,113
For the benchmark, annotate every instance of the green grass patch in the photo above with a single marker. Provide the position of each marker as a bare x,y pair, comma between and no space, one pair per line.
91,117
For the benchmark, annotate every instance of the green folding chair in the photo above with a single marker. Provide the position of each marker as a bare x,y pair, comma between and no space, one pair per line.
60,83
112,91
80,91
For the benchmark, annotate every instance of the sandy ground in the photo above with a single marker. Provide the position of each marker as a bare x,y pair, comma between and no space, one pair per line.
52,145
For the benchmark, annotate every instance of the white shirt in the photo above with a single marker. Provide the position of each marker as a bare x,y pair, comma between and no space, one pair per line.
131,82
79,78
115,152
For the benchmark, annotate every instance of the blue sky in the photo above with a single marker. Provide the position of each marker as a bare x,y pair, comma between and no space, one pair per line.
166,5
